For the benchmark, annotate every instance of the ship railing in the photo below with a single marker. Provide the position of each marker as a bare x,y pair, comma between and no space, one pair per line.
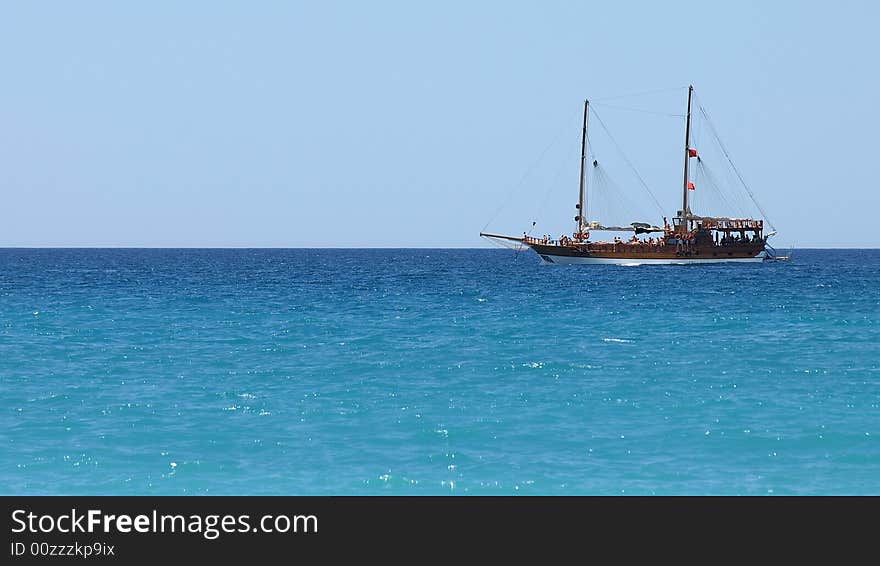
732,224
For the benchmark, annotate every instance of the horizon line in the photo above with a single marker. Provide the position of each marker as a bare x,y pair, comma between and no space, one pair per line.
244,247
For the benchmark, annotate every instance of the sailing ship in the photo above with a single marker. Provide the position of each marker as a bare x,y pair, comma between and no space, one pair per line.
690,239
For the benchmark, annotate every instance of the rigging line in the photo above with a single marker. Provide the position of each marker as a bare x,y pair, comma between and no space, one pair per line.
627,207
600,199
696,132
628,162
528,172
552,187
639,93
590,197
734,198
710,179
735,170
640,110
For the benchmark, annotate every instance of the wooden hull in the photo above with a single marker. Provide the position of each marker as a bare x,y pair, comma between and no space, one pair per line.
623,254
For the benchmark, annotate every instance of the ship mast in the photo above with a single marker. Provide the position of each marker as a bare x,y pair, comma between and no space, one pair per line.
580,215
687,155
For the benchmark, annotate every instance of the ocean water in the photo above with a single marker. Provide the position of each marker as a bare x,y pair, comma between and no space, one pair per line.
435,372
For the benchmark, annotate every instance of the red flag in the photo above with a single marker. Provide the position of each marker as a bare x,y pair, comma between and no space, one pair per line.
692,152
691,186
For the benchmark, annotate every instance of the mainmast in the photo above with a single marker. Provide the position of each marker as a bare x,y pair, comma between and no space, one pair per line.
687,156
581,212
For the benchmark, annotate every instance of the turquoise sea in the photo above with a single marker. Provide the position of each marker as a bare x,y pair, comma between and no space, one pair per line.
128,371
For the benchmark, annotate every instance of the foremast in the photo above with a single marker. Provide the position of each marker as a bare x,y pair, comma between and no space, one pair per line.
581,221
685,210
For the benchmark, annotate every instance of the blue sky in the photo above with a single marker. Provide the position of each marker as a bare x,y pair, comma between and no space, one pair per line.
408,124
